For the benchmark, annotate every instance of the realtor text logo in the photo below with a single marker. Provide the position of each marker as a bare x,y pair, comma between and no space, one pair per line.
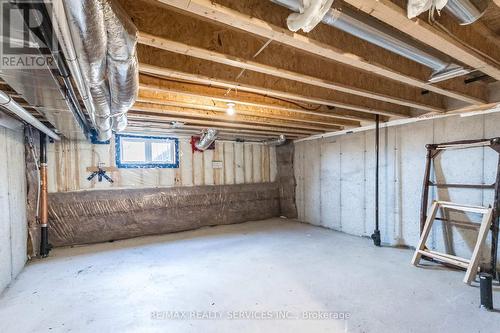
27,38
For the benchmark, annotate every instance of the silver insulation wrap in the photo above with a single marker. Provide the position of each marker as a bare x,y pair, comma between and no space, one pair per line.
206,140
122,63
105,40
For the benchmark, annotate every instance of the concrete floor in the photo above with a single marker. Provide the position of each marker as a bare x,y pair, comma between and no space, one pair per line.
273,268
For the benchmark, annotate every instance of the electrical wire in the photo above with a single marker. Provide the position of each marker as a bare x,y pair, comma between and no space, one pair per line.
433,22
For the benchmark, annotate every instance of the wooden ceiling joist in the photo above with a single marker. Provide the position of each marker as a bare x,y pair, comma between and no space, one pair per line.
164,108
211,105
181,48
177,75
196,130
157,85
390,13
207,9
152,116
222,110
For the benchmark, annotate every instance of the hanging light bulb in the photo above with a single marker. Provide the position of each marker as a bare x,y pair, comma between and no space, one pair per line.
231,111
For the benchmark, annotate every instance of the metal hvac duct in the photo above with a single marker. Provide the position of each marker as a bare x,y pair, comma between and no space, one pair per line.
466,11
208,137
122,66
277,142
90,41
105,40
376,33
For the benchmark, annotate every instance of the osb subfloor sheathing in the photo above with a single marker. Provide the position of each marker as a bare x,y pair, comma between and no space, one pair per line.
276,272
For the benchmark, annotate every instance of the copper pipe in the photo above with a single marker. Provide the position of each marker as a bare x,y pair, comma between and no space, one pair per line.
44,200
44,209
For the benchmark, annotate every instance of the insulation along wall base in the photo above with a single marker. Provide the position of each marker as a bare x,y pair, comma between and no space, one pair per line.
102,215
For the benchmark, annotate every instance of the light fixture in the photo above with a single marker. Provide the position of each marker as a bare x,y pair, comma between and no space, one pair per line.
231,111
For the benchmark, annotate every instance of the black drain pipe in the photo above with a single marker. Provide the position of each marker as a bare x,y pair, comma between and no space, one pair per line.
376,232
44,203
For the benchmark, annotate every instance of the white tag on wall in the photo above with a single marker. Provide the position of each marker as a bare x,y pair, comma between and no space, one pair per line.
217,164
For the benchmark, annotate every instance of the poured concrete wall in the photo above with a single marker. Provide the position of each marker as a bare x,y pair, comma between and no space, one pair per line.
13,225
336,179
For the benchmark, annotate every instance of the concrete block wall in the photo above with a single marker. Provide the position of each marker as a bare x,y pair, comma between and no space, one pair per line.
13,225
336,179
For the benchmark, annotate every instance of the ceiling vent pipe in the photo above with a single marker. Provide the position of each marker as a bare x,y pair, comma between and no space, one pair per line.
466,11
207,138
376,33
8,103
281,140
105,40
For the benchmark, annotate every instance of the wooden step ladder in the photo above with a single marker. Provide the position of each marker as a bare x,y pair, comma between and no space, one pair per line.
471,265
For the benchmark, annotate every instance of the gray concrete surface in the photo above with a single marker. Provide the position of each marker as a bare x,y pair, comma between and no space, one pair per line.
336,180
13,225
274,265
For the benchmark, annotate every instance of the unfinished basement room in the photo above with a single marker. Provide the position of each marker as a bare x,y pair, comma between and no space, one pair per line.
193,166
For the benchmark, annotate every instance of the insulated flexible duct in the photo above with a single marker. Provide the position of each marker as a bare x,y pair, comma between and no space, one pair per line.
105,40
277,142
122,63
376,33
209,136
90,41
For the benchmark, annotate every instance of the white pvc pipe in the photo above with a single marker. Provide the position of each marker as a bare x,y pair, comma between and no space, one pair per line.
7,102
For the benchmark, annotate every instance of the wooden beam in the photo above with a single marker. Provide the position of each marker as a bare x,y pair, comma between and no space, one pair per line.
224,15
164,108
392,14
196,130
165,72
157,85
181,48
239,111
152,116
212,105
